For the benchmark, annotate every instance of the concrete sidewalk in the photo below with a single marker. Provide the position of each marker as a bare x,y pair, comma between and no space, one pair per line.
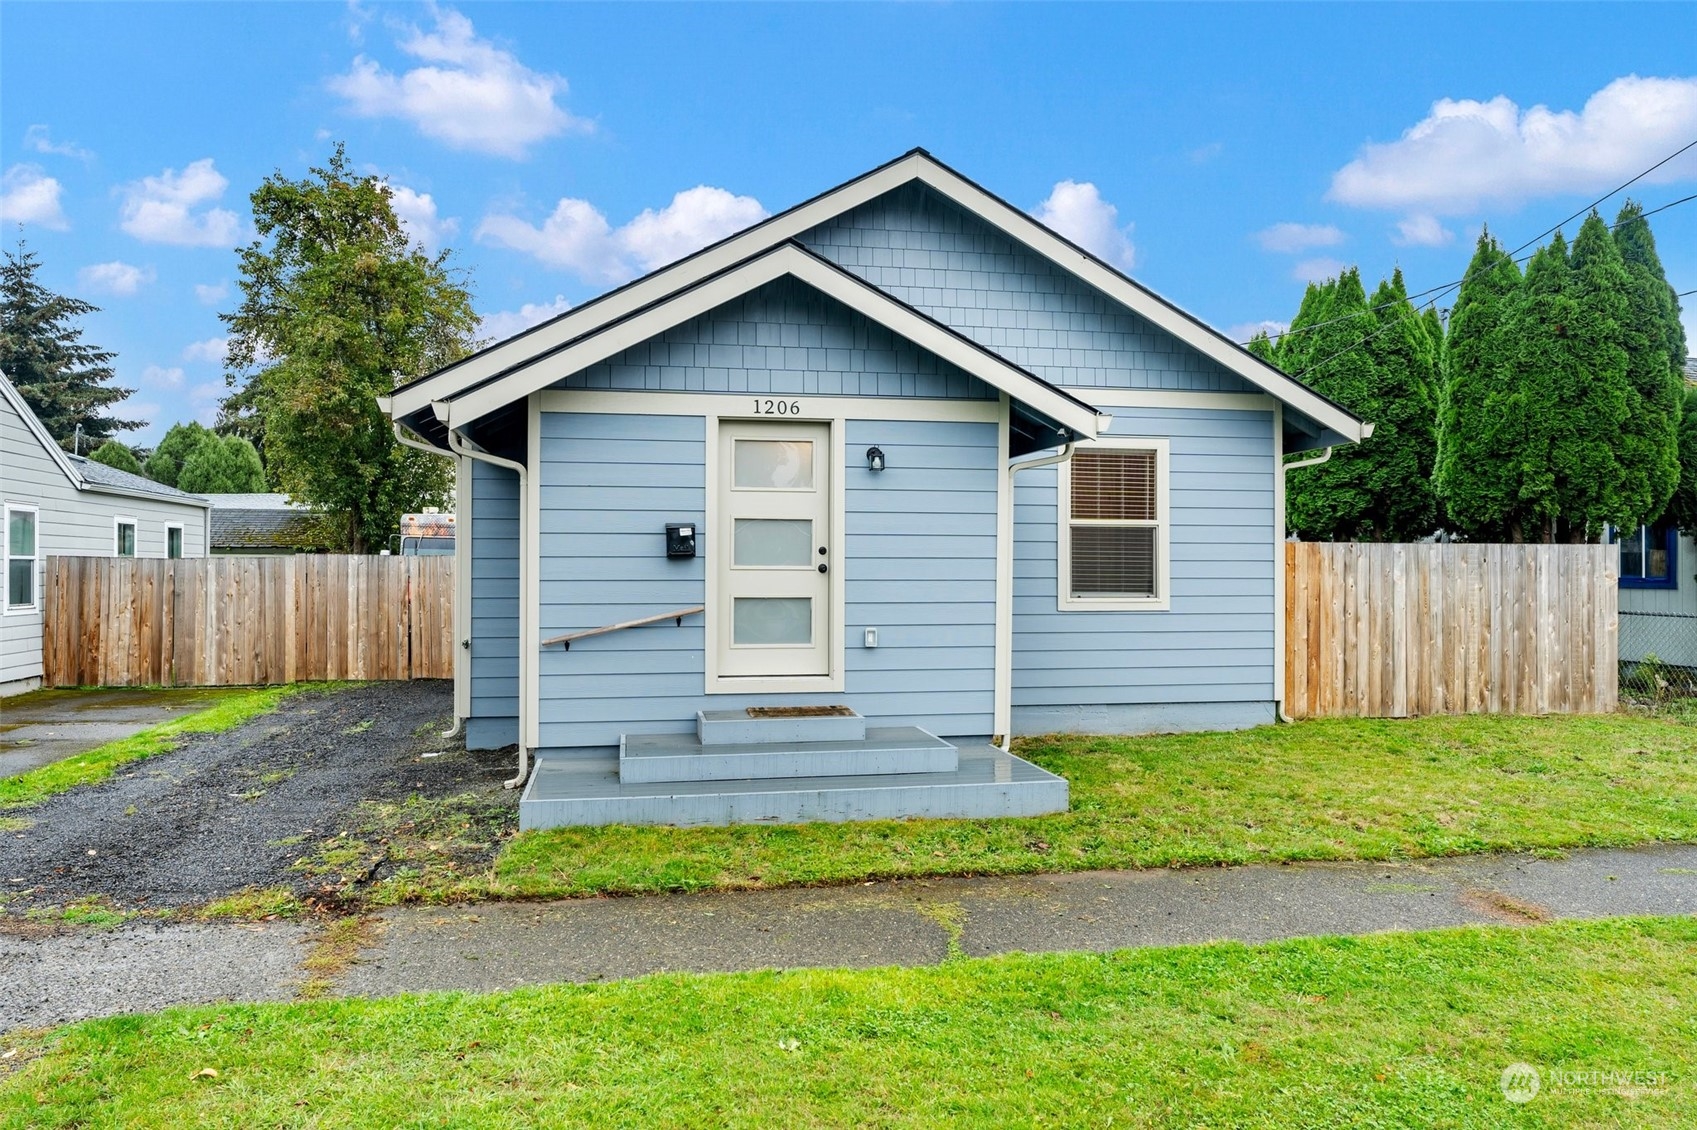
482,947
42,727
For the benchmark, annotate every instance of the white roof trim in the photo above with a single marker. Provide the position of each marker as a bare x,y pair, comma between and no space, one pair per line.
917,165
538,372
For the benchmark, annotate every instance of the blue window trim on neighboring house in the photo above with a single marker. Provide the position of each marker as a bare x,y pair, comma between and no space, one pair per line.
1670,535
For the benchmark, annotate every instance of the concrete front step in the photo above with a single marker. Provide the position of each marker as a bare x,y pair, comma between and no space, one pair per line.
736,727
652,758
565,791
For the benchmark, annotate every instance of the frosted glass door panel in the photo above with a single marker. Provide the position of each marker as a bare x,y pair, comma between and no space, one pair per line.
773,464
773,542
772,620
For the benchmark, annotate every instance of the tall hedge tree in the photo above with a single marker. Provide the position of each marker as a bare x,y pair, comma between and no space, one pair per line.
117,456
1654,339
65,381
165,463
1682,507
344,308
222,465
1480,420
1377,359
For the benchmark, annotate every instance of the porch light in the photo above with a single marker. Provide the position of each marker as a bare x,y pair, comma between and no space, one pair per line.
874,459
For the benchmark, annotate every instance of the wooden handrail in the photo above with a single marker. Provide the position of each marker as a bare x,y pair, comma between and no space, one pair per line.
677,615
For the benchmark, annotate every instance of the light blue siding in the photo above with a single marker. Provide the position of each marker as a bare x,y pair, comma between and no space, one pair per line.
919,565
784,337
1214,648
494,607
932,254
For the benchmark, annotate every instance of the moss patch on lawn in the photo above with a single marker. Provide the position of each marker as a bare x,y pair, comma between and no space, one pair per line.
1385,1030
1321,790
97,764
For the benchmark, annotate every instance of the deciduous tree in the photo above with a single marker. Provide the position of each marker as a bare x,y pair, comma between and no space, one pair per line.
340,307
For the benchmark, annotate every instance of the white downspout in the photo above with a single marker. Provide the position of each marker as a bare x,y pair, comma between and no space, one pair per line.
1008,470
402,438
461,447
1285,469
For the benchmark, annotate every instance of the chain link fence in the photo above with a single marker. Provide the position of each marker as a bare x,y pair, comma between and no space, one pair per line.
1658,656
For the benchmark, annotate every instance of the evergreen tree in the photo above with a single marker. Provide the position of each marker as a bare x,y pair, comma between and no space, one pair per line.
166,462
1654,340
65,381
1682,508
1478,435
1382,365
1619,450
222,465
114,454
348,308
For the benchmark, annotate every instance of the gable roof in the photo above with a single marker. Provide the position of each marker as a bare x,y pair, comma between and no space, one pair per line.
481,368
789,260
84,473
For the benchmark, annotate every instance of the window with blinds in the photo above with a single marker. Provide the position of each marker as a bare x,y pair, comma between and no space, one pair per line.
1114,524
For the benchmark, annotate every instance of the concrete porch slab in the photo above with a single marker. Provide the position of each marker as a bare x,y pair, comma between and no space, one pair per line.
652,758
565,791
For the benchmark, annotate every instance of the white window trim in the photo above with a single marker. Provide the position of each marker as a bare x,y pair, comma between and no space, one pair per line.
1162,600
34,607
178,526
119,521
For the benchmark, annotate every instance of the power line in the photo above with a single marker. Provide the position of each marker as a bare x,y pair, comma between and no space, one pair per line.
1434,301
1451,285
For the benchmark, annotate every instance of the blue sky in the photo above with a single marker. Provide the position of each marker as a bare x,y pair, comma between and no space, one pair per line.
1222,154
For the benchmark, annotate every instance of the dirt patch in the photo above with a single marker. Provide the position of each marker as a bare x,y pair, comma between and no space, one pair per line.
229,812
1504,908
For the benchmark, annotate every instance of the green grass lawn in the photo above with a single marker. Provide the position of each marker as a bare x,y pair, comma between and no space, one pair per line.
1336,789
98,764
1388,1030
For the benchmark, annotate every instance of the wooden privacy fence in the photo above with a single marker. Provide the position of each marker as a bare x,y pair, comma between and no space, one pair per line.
1388,631
233,621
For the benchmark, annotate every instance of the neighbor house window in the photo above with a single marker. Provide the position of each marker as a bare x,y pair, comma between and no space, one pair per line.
1114,526
173,541
1647,556
124,541
22,566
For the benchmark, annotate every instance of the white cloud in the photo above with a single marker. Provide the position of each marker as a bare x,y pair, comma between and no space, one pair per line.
116,277
1466,153
505,323
157,376
468,93
578,238
40,140
1243,331
162,209
148,411
204,398
210,294
29,196
1317,270
1078,212
1291,238
1421,231
212,350
417,213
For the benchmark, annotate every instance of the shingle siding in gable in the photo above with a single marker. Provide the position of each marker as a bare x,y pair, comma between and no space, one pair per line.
783,338
933,255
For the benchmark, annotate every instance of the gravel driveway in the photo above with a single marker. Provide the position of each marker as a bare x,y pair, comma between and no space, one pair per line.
232,810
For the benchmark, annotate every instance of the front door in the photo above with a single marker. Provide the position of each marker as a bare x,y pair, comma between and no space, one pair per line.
774,524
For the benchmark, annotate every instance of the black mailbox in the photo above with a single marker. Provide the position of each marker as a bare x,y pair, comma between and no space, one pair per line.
680,539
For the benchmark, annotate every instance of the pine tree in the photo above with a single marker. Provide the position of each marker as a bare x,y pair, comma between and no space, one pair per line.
166,462
222,465
116,455
65,381
1478,435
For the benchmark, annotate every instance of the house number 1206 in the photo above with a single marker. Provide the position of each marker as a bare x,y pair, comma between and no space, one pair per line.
777,407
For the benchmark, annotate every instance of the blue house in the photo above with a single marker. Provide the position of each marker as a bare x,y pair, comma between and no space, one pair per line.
806,525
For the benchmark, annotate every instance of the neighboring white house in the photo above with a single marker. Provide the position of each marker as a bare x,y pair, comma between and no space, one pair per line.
57,504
